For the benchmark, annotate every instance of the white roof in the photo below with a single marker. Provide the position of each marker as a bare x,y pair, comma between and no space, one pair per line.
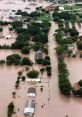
8,36
31,94
28,110
33,79
61,8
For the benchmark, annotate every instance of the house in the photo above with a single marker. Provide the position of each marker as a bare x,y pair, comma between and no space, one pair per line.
51,7
70,46
31,91
8,36
61,8
29,108
15,17
76,86
39,54
33,4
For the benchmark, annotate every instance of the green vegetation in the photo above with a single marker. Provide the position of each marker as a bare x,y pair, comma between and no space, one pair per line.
44,16
80,83
25,50
64,84
26,61
2,61
13,59
33,74
1,29
10,109
63,15
3,23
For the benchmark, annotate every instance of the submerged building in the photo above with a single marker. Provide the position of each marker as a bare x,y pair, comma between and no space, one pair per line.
29,108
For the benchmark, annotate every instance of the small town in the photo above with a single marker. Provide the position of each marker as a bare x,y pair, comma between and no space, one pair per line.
41,58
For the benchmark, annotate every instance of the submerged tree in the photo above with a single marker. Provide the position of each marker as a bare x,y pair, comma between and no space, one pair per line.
10,109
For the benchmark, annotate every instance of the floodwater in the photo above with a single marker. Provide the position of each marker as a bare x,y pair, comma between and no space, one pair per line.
54,104
5,33
6,6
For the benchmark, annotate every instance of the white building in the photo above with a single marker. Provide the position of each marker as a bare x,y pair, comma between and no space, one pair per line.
29,108
8,36
33,80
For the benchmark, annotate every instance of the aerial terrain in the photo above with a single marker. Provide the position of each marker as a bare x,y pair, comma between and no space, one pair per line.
40,58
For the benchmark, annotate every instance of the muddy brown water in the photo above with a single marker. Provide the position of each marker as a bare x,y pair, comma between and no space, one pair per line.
54,104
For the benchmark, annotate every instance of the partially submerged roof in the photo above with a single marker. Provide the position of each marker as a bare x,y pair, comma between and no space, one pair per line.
61,8
31,91
8,36
29,107
39,54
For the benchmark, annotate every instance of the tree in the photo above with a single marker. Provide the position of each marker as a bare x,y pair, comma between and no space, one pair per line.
23,78
13,59
79,45
1,29
14,94
48,68
2,62
17,83
42,70
10,28
80,83
60,50
10,109
25,50
74,32
39,61
17,24
64,84
26,61
20,73
33,74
